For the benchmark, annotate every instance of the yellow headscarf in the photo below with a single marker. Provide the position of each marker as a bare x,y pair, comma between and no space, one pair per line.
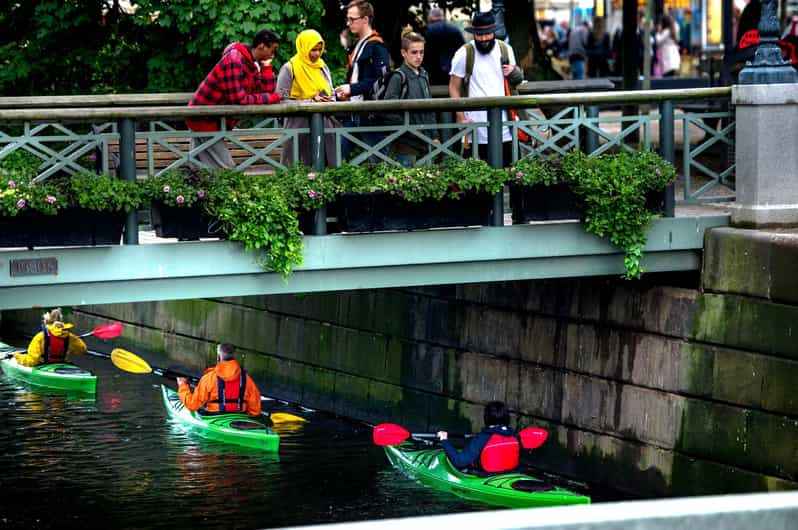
308,77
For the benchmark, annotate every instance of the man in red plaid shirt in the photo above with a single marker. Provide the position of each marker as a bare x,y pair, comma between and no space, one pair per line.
243,76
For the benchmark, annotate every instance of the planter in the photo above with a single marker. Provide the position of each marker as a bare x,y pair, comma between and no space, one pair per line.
655,201
370,212
544,203
183,222
69,227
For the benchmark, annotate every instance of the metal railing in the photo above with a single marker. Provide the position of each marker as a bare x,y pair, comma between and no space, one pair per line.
86,137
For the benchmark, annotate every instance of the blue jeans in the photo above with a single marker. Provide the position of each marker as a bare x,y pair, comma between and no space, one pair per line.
370,138
578,69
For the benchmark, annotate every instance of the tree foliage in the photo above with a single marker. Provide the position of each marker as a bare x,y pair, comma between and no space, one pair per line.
52,47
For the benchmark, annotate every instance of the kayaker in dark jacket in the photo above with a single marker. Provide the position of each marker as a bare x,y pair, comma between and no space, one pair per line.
224,388
53,343
495,449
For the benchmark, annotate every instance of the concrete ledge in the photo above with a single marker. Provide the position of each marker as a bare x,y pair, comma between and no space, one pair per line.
778,94
771,215
754,263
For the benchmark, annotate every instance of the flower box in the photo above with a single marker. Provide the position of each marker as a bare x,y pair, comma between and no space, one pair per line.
69,227
183,222
544,203
558,202
371,212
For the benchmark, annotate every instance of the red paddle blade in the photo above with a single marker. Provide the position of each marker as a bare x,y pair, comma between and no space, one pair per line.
389,434
533,437
108,331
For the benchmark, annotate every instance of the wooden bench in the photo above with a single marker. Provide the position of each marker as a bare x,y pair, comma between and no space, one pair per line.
163,157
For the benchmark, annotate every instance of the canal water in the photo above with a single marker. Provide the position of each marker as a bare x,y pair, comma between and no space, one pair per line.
115,460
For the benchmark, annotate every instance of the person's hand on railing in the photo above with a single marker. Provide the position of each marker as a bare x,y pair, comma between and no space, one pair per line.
343,92
460,117
322,97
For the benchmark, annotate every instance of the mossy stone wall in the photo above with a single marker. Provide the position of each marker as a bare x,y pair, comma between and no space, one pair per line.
645,386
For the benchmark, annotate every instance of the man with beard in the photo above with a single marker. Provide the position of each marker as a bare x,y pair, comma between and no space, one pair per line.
481,72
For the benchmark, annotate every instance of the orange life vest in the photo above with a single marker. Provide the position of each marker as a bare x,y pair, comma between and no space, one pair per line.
231,393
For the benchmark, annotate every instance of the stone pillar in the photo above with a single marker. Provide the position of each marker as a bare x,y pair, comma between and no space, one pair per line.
766,155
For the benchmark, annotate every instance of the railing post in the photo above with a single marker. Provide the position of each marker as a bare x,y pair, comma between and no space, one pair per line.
495,160
446,117
317,160
667,150
127,171
591,136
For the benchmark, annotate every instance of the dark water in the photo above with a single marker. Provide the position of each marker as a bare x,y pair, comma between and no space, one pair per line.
117,461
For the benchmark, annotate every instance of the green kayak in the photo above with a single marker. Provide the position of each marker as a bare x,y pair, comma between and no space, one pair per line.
56,376
431,467
239,429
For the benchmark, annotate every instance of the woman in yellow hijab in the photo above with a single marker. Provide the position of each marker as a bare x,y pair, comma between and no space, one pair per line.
306,77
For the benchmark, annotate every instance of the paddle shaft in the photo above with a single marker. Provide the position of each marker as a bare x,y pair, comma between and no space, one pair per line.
8,353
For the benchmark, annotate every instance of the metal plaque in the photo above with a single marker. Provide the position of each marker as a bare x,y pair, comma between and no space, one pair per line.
33,267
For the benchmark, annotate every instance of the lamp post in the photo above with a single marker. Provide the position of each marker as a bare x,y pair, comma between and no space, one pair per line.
769,66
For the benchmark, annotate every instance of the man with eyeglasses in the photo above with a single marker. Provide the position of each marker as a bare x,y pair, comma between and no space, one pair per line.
368,61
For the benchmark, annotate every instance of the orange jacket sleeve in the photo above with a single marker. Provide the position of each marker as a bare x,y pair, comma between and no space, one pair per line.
252,397
201,395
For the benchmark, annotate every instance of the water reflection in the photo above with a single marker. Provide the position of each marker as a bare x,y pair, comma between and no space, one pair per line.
117,461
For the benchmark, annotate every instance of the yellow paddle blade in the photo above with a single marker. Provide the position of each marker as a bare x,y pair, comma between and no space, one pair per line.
129,362
285,417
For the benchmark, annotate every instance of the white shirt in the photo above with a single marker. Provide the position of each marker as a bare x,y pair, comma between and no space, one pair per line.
487,80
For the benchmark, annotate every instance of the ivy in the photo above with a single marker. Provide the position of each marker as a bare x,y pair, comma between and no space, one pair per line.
613,189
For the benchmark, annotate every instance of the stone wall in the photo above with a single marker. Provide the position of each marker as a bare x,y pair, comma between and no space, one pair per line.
645,387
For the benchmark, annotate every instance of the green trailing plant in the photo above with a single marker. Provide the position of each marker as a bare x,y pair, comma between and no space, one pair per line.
256,211
613,189
534,171
305,188
106,194
417,184
183,187
20,194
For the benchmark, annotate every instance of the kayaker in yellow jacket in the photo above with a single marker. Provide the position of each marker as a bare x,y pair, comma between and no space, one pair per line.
53,343
224,388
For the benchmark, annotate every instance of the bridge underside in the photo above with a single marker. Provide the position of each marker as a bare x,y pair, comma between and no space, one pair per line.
209,269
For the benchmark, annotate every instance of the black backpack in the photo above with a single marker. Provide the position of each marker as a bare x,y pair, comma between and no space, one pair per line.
380,86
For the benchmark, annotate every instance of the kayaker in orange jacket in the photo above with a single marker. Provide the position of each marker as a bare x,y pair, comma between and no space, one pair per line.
224,388
53,343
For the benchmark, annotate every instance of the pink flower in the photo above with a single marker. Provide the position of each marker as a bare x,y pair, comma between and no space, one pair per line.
180,199
21,203
512,170
519,175
166,189
93,158
311,176
391,180
313,195
12,184
50,199
658,172
201,194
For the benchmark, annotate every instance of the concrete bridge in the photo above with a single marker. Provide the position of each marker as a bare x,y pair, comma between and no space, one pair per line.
558,122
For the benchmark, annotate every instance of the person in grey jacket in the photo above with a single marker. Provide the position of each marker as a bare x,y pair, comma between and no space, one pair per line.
410,81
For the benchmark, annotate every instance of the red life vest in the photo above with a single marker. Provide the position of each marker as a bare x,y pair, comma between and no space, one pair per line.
55,348
500,453
231,393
